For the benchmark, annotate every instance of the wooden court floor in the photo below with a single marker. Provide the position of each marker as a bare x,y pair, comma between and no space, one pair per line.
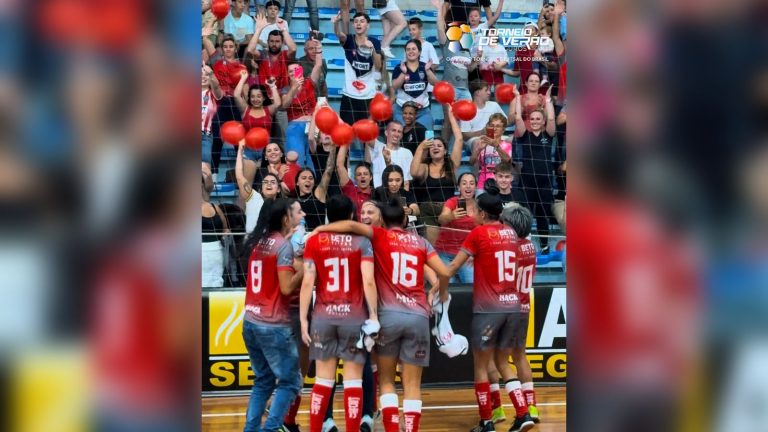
451,409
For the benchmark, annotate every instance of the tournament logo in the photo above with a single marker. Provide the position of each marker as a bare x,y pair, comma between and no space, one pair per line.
460,37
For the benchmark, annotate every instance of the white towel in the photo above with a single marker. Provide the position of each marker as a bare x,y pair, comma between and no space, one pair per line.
448,342
368,332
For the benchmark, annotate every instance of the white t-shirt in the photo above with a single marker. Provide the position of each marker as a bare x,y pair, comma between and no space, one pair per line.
491,54
252,209
477,32
428,53
481,119
239,27
401,157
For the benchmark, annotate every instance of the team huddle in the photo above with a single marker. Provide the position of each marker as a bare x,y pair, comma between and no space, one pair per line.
357,292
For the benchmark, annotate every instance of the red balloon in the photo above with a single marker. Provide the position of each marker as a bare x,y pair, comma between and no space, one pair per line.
366,130
257,138
378,96
560,245
326,120
464,110
342,134
232,132
444,92
220,8
505,93
381,109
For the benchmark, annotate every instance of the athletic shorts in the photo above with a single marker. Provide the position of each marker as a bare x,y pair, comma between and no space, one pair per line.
352,110
334,340
405,336
499,330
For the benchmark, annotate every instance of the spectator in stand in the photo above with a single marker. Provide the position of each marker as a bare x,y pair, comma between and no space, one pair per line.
504,177
274,60
225,68
272,10
549,63
282,166
532,100
526,60
252,67
211,94
558,208
493,58
392,187
209,19
214,228
268,187
428,53
256,112
362,56
314,16
313,48
536,144
311,198
322,148
413,131
481,95
393,22
299,101
381,155
239,24
344,10
478,28
210,35
410,78
491,149
459,10
560,49
546,15
457,220
361,189
434,176
457,64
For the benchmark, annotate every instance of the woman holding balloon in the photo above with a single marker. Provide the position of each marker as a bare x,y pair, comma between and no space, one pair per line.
256,112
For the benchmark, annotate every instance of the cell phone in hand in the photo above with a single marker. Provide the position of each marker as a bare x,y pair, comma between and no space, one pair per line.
402,201
490,132
298,72
462,204
428,135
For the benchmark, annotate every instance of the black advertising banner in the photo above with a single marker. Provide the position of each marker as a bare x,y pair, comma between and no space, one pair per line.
226,366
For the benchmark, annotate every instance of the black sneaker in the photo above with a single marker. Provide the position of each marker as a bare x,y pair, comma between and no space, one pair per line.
291,428
484,426
522,424
365,427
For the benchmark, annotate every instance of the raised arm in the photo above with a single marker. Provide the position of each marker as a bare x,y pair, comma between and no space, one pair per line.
336,21
218,93
551,127
207,32
317,69
441,37
253,44
519,123
274,94
341,165
492,18
295,87
559,45
420,170
243,185
288,40
242,105
458,144
322,189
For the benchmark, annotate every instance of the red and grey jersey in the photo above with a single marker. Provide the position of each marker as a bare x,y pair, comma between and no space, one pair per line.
526,270
264,303
339,284
400,258
494,248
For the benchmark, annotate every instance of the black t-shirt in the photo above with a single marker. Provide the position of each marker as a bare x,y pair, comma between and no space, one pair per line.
413,137
382,195
460,9
516,196
320,160
314,210
536,151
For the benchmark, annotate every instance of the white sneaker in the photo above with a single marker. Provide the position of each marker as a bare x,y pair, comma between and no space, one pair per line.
387,51
366,425
330,426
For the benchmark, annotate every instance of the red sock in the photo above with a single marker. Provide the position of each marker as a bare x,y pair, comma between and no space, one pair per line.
412,415
390,416
530,396
483,396
516,394
495,396
375,388
353,403
318,403
290,417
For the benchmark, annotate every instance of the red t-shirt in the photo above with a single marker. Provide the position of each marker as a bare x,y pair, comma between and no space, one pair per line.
524,63
449,240
356,195
303,102
277,67
290,177
526,270
562,86
225,70
264,303
339,292
250,122
494,247
400,259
